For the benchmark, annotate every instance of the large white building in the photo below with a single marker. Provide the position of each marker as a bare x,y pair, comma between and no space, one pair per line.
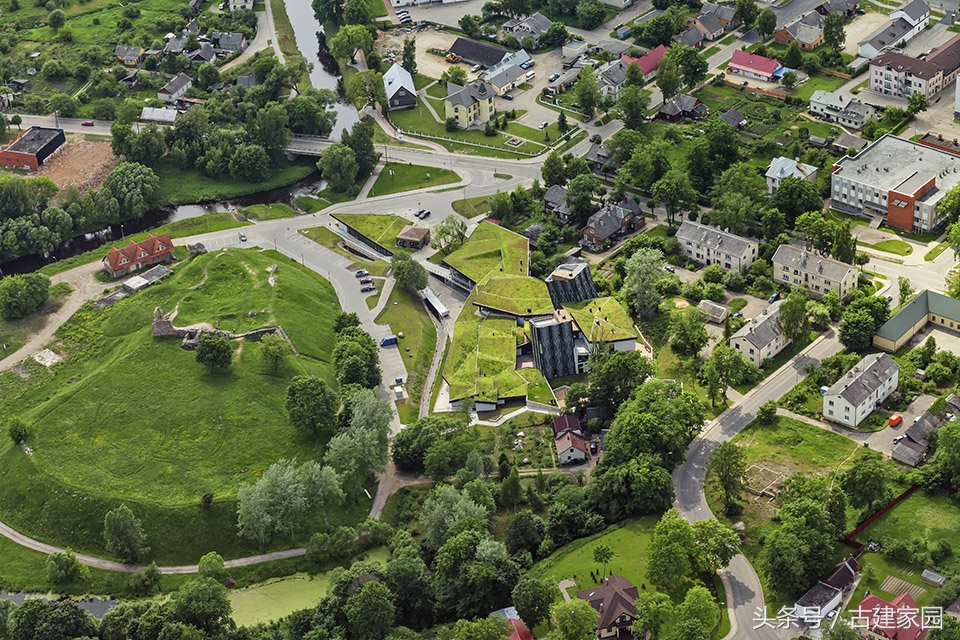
902,24
833,106
861,390
762,337
818,274
707,245
899,180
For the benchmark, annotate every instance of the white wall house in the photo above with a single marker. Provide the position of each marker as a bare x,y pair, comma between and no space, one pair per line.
762,337
708,245
571,448
860,391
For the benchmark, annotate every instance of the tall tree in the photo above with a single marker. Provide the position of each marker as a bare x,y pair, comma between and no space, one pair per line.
844,243
201,603
124,534
602,554
587,91
796,196
338,166
917,102
746,11
311,404
533,599
580,194
834,35
213,352
409,59
690,61
348,39
865,483
366,88
643,270
449,234
728,463
905,289
688,331
632,105
357,12
409,273
766,22
553,171
675,192
669,77
370,612
669,551
510,490
574,620
360,141
793,315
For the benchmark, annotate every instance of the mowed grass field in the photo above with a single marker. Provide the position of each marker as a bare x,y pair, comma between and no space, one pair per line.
491,251
127,417
382,229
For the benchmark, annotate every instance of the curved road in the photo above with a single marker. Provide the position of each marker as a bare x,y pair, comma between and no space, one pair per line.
740,581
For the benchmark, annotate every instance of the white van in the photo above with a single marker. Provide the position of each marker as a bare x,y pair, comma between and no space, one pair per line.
531,75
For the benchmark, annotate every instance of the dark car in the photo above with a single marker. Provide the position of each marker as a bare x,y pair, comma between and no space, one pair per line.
425,215
366,280
670,269
367,288
738,314
574,105
774,297
593,447
595,138
361,273
507,96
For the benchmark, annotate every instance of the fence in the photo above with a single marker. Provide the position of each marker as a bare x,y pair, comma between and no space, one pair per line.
839,74
772,94
849,539
473,144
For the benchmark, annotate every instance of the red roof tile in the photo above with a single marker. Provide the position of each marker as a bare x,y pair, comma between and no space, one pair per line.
518,630
136,252
649,62
873,609
752,62
568,440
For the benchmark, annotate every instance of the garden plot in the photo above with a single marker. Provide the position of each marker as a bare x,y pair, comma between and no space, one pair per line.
762,481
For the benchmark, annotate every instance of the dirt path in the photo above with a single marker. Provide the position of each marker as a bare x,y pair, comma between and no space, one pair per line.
85,287
392,481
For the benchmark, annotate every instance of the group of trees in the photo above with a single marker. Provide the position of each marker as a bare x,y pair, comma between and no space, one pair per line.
347,163
21,295
860,320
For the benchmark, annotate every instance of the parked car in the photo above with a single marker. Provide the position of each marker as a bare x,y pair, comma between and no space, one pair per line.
738,314
593,447
86,123
595,138
367,288
889,298
243,237
544,125
419,213
476,68
774,297
898,439
507,96
425,214
574,105
669,268
553,77
526,65
406,20
366,280
361,273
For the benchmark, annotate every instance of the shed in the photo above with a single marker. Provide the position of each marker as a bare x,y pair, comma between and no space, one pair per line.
414,238
909,452
714,312
932,578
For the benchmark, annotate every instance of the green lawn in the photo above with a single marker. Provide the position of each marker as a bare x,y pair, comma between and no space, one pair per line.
272,211
491,250
936,251
131,418
472,207
382,229
605,316
896,247
309,204
406,315
182,186
406,177
884,567
518,295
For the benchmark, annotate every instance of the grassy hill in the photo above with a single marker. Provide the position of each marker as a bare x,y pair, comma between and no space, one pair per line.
127,417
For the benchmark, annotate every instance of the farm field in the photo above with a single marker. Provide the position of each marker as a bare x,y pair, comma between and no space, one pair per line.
132,418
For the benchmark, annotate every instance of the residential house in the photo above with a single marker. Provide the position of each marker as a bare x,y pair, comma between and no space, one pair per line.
598,157
690,37
781,167
232,42
713,311
947,57
413,238
648,63
735,119
818,274
875,618
192,27
129,56
762,337
807,30
709,25
470,105
827,594
708,245
241,4
533,25
928,307
615,48
727,15
400,90
900,181
571,448
613,220
571,282
176,88
903,24
614,601
555,197
619,5
203,55
613,77
845,142
137,255
751,65
506,78
518,629
564,424
846,8
832,106
682,106
912,449
861,390
159,116
173,46
131,81
475,52
894,74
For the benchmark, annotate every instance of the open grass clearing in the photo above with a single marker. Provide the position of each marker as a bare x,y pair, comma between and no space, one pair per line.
182,186
936,251
272,211
396,177
472,207
406,315
17,332
145,442
896,247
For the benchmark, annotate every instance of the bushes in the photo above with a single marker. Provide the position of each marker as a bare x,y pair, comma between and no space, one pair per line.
63,566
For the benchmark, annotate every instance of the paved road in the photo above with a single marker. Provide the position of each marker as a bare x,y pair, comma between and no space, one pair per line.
744,592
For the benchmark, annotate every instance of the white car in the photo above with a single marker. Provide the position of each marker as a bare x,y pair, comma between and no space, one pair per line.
476,68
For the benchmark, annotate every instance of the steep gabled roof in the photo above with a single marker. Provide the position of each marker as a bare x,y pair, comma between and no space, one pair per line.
178,83
612,599
871,373
763,329
744,60
396,78
151,247
711,23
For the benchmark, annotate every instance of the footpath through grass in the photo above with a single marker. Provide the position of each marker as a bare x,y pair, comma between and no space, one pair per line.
130,418
407,177
405,314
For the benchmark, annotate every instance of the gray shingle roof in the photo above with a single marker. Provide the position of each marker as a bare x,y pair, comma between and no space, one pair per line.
712,238
181,80
917,309
919,430
505,75
534,24
609,220
470,94
690,37
478,52
397,78
555,195
763,329
781,167
889,35
725,13
733,118
714,311
710,22
807,262
613,73
908,452
916,10
865,378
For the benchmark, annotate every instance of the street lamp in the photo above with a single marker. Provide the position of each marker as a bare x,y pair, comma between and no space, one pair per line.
122,234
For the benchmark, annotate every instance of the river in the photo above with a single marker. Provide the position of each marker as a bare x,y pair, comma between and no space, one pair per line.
325,73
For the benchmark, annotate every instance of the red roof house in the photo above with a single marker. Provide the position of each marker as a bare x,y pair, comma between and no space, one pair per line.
647,63
571,448
882,619
137,255
564,423
753,66
518,630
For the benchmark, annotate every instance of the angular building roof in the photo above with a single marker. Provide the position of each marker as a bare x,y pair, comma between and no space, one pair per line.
763,329
713,238
868,375
745,60
612,599
781,167
914,311
795,257
470,94
397,78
